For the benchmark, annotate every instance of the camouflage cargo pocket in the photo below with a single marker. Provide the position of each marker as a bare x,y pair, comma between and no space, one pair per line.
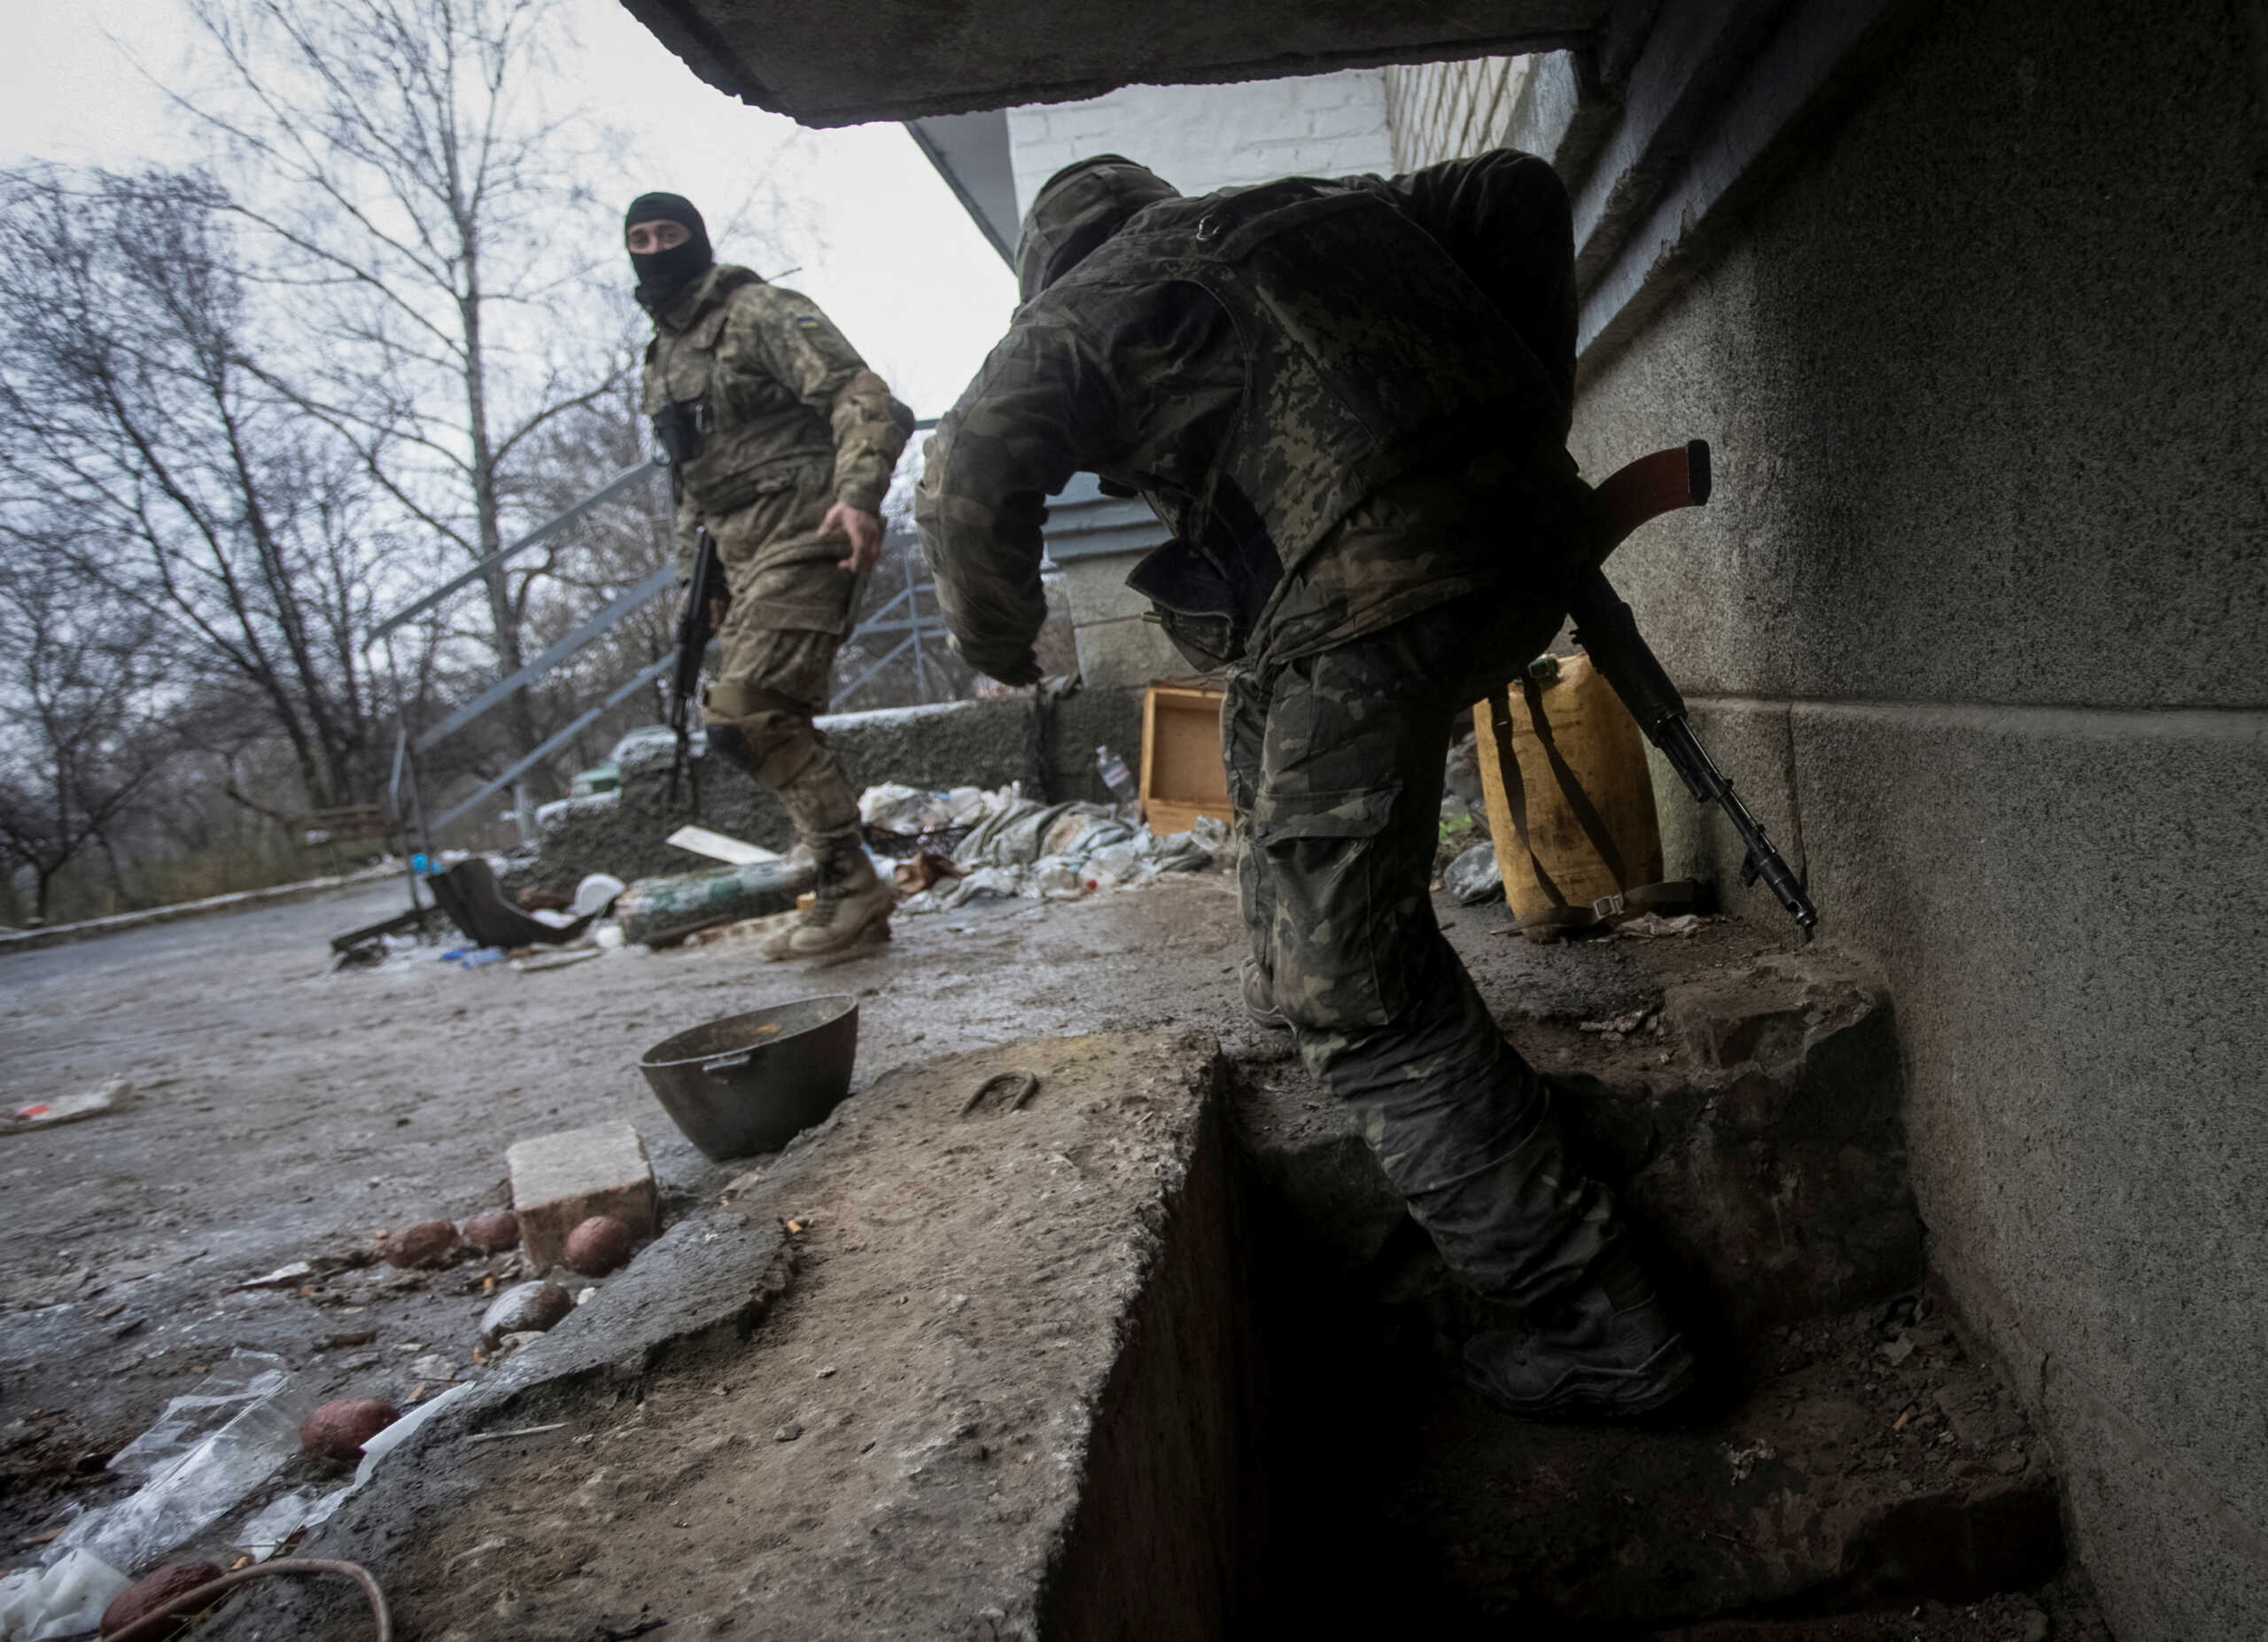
1333,905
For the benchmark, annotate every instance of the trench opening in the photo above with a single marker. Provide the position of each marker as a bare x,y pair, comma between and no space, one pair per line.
1289,1449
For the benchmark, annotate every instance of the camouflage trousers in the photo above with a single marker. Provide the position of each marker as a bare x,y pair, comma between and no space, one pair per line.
1335,767
790,612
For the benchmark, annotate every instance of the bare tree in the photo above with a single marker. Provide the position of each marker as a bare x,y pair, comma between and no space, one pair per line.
79,735
140,448
416,208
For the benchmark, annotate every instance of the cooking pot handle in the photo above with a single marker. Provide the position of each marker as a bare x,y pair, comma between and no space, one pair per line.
725,1063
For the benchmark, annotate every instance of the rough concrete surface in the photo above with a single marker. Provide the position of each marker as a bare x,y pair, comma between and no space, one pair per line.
898,1442
289,1113
1969,614
983,743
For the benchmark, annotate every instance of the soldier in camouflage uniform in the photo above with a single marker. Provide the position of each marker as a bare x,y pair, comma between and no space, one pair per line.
1349,403
782,443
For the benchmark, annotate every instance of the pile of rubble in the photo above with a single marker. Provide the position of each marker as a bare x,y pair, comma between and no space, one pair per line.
1001,843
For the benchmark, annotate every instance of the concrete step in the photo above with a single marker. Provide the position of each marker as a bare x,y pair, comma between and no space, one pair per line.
1744,1101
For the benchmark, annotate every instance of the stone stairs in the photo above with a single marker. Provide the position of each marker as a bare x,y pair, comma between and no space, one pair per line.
1857,1466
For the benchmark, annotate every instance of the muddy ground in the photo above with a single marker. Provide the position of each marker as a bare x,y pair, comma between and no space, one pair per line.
285,1112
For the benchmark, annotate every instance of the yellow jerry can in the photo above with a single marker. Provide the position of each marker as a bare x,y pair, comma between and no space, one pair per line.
1571,801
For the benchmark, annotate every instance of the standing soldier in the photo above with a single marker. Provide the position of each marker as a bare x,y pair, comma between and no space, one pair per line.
782,443
1349,401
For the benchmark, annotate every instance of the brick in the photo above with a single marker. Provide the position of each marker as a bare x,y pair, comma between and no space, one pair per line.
559,1180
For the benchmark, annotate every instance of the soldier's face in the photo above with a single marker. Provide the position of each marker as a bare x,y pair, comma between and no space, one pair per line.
644,238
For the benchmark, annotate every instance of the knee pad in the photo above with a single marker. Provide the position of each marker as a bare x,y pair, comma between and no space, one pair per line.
726,741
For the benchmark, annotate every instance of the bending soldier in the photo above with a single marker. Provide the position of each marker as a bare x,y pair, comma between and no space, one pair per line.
782,442
1349,401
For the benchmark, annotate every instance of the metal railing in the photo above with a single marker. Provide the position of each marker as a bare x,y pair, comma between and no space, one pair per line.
923,631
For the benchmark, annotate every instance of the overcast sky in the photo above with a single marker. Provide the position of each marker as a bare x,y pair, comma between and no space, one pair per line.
895,261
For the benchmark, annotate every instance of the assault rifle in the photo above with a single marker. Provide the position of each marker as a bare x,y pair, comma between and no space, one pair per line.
693,632
1606,629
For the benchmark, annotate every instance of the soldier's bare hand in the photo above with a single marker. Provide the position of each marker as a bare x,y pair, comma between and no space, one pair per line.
718,604
864,529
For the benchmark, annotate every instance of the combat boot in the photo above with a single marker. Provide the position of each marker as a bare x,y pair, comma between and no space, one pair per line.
1610,1351
850,908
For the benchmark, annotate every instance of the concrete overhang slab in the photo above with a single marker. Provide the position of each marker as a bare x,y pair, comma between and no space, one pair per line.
903,60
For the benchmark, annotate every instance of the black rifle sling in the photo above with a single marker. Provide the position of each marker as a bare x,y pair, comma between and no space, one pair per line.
1508,765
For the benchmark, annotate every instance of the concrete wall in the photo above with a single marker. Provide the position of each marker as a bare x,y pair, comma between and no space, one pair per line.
1976,618
1201,137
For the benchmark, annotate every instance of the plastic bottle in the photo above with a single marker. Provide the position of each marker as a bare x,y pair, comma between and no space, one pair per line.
1117,776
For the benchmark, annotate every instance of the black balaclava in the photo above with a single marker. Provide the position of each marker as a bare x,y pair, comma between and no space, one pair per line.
663,274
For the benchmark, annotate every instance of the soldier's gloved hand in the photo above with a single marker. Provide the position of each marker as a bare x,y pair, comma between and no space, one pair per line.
864,529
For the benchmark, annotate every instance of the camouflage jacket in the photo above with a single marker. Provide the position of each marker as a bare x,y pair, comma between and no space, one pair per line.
1256,363
776,388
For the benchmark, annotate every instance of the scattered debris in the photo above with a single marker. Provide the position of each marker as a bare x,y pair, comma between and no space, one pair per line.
656,910
1653,926
740,930
153,1592
1020,847
524,1309
717,846
185,1497
243,1379
423,1246
600,1245
67,1598
493,1231
499,1437
1474,876
113,1096
1744,1458
559,1180
1622,1025
555,960
1003,1091
284,1519
283,1277
595,893
927,868
336,1431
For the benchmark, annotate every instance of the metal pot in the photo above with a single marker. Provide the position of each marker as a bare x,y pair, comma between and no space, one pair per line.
751,1083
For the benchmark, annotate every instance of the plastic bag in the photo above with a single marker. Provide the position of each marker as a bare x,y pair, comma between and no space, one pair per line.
65,1599
226,1391
184,1498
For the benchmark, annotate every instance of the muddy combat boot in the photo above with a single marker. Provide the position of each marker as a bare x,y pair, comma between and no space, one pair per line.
851,909
1259,1002
1610,1352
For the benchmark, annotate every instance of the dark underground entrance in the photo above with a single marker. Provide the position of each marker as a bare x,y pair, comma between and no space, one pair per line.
1287,1447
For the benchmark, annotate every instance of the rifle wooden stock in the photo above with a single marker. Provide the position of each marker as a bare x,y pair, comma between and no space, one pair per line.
1605,628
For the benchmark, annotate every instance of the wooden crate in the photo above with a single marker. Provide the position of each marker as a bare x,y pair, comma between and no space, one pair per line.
1182,774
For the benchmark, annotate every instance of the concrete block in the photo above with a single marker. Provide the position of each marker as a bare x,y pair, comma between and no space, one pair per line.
1128,651
559,1180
